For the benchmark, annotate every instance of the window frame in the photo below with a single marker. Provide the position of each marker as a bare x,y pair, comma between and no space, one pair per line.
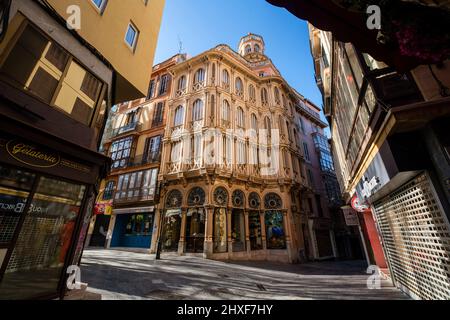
133,46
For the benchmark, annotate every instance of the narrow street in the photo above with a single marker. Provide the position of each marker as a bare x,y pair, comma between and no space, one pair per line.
117,274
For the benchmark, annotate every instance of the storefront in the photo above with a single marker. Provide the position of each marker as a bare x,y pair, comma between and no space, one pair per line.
235,230
46,198
133,227
409,208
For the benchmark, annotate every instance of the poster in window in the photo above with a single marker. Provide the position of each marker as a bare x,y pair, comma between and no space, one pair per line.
275,230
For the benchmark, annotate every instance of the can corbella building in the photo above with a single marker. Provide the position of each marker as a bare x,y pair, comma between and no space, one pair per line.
231,165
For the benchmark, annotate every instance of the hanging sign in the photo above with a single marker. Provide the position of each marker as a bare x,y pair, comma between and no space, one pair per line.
358,205
350,215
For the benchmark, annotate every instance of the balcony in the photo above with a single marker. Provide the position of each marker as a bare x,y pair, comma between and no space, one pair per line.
132,127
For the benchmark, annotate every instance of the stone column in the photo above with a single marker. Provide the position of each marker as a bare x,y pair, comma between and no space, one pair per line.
229,230
247,231
208,246
182,242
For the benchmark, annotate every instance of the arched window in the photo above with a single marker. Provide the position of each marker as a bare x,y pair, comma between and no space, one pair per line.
277,95
182,83
284,100
264,98
257,48
226,110
197,112
288,130
199,76
254,122
248,49
179,116
239,85
251,92
213,71
240,117
225,77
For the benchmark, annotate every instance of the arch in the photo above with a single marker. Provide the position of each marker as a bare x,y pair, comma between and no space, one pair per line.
240,117
220,196
199,76
179,116
264,96
239,86
226,110
257,48
238,198
276,93
225,77
196,197
182,83
254,201
248,49
174,199
252,92
197,110
273,201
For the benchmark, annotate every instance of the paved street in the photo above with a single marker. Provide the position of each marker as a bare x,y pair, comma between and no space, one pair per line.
124,275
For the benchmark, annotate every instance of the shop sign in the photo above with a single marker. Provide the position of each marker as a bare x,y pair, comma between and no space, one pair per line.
358,205
104,208
32,155
351,217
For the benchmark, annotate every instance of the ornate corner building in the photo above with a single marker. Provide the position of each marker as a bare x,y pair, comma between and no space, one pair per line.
232,168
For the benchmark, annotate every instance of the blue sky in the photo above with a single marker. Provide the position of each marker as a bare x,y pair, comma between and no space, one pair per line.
203,24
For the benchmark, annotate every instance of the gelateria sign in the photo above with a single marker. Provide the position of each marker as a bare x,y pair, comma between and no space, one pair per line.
32,155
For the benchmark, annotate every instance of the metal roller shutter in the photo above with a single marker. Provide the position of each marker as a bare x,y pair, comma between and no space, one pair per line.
416,237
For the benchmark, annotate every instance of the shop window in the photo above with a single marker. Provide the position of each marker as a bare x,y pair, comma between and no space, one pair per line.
139,225
238,230
172,226
255,231
44,240
15,187
121,152
48,72
275,230
220,230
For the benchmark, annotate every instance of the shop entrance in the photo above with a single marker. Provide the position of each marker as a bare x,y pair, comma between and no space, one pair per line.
133,231
172,227
195,230
238,230
98,238
254,220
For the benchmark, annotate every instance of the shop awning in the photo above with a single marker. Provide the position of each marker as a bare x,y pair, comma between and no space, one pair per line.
417,33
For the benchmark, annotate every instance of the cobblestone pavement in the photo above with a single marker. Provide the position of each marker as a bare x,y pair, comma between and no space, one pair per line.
128,275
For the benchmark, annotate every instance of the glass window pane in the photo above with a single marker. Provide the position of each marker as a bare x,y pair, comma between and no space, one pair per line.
44,240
